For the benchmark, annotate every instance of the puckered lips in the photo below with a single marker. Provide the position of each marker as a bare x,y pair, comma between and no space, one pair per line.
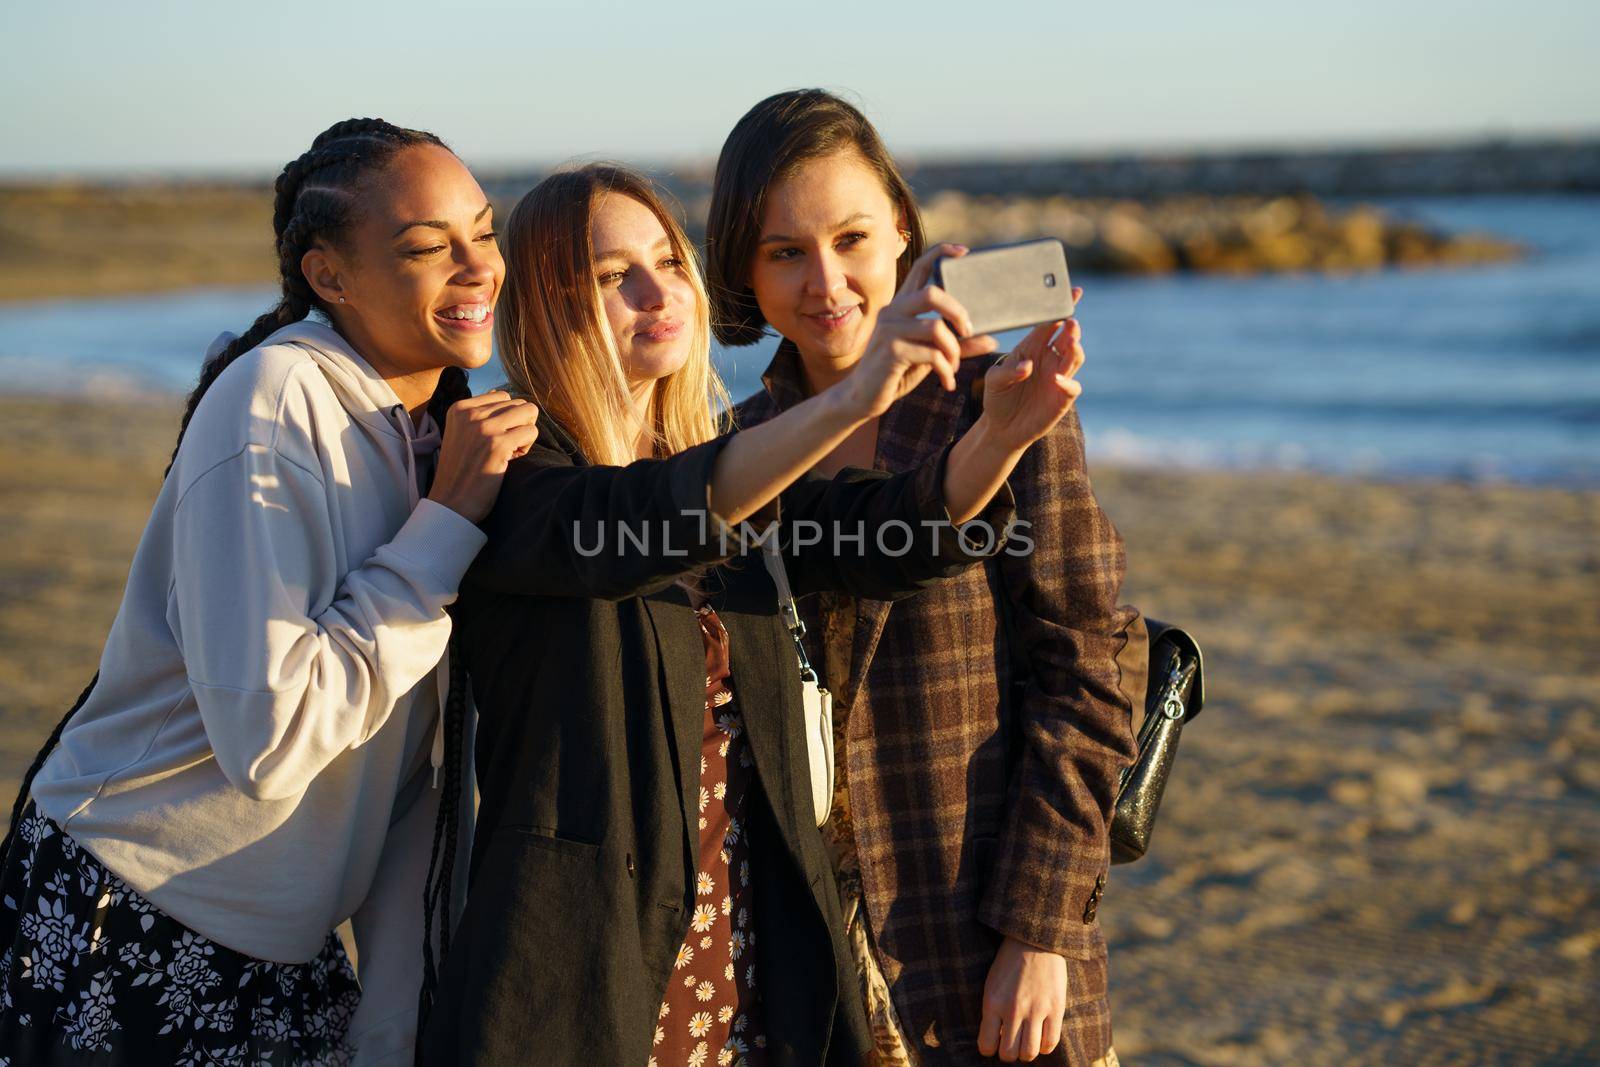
658,330
468,318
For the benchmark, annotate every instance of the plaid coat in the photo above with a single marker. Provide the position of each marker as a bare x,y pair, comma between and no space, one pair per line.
977,815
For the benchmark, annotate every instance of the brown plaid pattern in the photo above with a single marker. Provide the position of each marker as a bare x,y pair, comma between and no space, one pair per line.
952,853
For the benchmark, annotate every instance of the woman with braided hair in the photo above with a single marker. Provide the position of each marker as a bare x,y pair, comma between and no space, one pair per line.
252,760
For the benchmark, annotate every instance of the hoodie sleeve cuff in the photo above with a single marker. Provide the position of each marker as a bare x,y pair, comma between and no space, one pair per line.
440,539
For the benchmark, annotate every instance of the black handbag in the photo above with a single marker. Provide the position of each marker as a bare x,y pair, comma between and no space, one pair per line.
1174,697
1175,692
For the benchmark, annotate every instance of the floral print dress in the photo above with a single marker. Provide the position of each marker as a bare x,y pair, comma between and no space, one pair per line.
833,617
711,1014
92,973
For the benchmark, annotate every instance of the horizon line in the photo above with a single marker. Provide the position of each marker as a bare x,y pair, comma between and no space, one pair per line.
500,169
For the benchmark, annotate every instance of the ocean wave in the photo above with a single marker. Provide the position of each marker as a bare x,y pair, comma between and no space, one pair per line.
1120,446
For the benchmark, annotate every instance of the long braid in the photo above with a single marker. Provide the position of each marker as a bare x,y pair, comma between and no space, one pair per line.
303,213
436,890
439,884
38,762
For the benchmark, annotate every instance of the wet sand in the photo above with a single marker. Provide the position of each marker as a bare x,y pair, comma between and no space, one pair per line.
1382,843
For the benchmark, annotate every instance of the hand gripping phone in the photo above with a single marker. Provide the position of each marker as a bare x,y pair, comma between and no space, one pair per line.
1009,286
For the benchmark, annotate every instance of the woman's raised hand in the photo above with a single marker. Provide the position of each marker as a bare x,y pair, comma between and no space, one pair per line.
482,435
908,344
1026,393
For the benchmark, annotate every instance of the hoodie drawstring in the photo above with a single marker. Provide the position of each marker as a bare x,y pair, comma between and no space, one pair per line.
424,442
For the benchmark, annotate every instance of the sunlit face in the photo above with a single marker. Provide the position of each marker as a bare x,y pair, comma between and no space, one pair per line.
420,270
825,262
645,291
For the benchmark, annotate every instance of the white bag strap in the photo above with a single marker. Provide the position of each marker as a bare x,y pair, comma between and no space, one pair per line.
786,606
816,701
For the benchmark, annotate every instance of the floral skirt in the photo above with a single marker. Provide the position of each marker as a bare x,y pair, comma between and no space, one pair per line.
92,973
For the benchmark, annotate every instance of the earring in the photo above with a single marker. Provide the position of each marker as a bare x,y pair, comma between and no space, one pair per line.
341,300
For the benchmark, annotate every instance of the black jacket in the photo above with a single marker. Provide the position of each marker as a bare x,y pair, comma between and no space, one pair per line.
589,676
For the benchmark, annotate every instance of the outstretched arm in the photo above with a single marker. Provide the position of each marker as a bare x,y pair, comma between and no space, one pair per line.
1028,392
564,528
763,461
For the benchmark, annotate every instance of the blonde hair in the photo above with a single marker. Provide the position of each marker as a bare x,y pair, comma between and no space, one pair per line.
552,334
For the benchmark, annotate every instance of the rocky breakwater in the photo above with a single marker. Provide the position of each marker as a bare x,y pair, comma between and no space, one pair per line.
1236,234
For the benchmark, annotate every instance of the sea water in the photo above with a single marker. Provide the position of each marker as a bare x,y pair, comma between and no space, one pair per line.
1473,373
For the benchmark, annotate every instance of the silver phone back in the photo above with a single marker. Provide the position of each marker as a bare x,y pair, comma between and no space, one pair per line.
1010,286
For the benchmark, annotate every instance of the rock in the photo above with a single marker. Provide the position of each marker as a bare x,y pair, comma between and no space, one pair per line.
1272,219
1360,234
1472,248
1149,927
1579,946
1399,786
1491,781
1399,821
1133,247
1351,792
1233,235
1410,246
1281,252
1477,718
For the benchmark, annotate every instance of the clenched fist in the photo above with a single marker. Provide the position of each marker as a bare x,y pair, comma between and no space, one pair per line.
482,435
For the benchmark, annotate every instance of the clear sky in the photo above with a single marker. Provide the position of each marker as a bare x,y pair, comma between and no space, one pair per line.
152,86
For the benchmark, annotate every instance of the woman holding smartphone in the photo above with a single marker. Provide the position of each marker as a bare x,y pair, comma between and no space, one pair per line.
222,796
969,829
648,883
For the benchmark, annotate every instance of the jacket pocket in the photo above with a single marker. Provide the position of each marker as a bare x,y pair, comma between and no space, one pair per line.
544,958
555,840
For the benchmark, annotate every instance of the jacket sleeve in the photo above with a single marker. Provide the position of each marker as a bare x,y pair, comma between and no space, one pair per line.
883,536
1073,719
289,665
561,528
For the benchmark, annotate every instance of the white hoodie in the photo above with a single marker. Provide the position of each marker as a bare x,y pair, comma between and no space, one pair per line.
267,689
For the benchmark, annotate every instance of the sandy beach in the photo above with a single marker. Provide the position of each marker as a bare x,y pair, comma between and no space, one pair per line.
1383,838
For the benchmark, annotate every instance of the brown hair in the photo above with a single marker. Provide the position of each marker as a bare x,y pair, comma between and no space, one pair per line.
768,144
552,334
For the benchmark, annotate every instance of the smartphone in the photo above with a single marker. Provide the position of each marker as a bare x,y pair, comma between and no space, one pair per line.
1009,286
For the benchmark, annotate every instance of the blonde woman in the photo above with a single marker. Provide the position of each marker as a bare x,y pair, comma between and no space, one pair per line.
648,883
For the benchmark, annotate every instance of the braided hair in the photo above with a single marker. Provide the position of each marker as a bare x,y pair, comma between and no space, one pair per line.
314,199
436,888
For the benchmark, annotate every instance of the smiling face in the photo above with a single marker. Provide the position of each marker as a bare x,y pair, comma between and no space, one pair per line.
419,272
825,262
645,293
